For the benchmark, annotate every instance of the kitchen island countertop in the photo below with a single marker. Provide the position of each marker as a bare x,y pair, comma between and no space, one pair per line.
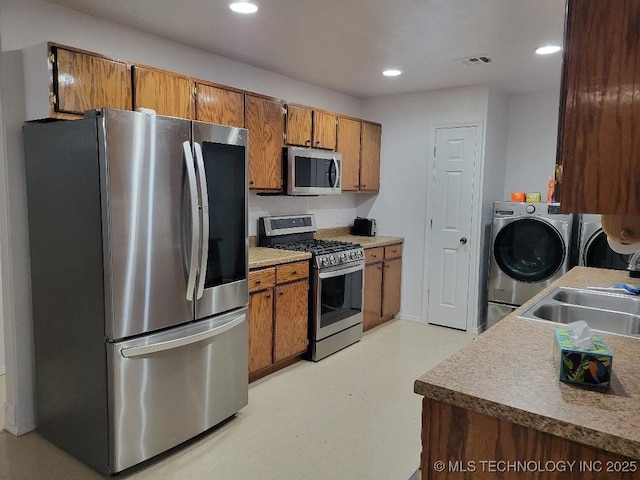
508,373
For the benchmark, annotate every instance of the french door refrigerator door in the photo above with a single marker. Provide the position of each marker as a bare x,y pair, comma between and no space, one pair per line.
145,197
221,156
167,387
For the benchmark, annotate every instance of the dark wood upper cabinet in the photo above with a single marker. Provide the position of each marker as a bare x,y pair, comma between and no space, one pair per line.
599,123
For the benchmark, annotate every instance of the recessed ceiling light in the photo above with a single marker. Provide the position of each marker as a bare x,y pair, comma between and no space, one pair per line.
547,49
243,7
391,73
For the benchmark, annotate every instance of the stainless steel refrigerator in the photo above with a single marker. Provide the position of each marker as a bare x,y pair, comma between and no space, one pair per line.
139,263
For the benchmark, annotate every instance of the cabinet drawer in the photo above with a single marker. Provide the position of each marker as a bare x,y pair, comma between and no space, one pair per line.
373,255
393,251
292,271
261,279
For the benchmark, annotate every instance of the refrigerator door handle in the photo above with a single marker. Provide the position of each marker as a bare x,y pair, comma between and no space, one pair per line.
195,224
133,352
204,199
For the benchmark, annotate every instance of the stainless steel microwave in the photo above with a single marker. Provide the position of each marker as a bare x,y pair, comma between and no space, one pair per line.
311,171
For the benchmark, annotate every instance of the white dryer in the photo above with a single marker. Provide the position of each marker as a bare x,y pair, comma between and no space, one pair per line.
529,250
593,248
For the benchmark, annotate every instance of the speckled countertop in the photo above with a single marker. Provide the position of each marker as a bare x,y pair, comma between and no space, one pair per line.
508,373
260,257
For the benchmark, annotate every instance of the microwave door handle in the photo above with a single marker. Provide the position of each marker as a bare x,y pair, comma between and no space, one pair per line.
195,225
204,199
335,163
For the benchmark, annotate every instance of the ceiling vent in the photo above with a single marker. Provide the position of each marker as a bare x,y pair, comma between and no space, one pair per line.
477,60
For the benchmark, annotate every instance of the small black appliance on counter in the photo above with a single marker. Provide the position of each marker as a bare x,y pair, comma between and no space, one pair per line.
364,226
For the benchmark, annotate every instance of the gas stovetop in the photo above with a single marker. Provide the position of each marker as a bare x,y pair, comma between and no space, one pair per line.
295,232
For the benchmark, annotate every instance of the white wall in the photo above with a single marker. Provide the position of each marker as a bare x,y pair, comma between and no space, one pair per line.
531,151
407,145
28,22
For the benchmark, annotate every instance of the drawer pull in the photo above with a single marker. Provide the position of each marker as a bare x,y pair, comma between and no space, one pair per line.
258,282
295,272
374,256
281,293
267,296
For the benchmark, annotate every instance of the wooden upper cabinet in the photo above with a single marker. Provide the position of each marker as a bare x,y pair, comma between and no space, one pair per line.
264,119
324,130
219,105
299,125
599,130
348,144
307,127
165,92
370,156
82,81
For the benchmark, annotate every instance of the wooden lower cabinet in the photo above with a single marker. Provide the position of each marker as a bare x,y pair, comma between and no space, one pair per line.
475,446
382,275
278,317
291,320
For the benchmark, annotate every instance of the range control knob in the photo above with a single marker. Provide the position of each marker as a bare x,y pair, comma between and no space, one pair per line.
360,254
352,255
531,209
343,257
332,260
324,262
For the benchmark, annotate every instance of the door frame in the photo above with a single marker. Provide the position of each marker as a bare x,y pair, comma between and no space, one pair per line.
475,242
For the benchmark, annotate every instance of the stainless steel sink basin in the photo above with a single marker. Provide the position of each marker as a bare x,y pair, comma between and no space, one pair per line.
603,311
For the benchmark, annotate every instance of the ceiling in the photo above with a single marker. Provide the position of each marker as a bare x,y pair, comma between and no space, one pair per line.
344,45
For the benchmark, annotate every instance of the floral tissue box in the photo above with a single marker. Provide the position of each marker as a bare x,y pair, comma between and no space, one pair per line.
582,366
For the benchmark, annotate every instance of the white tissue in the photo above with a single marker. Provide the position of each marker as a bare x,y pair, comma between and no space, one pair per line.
580,335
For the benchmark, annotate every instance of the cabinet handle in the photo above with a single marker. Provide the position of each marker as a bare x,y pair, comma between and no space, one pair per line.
386,266
363,186
380,267
267,296
258,282
295,272
280,293
307,143
374,255
250,182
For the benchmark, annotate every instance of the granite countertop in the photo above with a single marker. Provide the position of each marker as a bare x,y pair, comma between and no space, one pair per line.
508,373
260,257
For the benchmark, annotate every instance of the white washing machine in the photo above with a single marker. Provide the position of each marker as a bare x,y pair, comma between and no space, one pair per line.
593,249
529,250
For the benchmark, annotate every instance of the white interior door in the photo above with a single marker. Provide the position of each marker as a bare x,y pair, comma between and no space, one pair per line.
455,159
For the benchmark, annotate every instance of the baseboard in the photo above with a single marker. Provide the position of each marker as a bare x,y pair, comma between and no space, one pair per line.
10,424
411,318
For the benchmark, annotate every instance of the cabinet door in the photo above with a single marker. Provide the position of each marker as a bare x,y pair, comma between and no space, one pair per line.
264,119
599,145
219,105
291,320
372,295
324,130
391,287
348,144
299,121
370,161
260,329
84,82
164,92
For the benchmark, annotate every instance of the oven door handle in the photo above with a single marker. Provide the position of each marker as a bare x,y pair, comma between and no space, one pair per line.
342,271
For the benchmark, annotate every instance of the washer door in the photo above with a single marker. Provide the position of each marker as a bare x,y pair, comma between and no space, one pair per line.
598,253
529,250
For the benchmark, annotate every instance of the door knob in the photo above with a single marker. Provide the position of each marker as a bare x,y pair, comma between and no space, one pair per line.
463,240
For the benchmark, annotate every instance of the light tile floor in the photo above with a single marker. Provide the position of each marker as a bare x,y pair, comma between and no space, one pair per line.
351,416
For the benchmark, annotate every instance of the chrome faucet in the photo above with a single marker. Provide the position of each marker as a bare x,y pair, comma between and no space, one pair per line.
634,265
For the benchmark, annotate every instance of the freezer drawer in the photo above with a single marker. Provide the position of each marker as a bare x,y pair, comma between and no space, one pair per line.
168,387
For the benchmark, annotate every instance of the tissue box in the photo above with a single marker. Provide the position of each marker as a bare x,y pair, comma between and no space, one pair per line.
581,366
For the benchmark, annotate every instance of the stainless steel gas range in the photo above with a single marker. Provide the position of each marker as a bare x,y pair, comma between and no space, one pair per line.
337,282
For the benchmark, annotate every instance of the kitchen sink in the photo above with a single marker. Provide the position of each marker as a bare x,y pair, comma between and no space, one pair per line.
603,311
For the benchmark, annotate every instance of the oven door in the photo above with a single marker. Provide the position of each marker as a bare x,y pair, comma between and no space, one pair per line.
338,299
